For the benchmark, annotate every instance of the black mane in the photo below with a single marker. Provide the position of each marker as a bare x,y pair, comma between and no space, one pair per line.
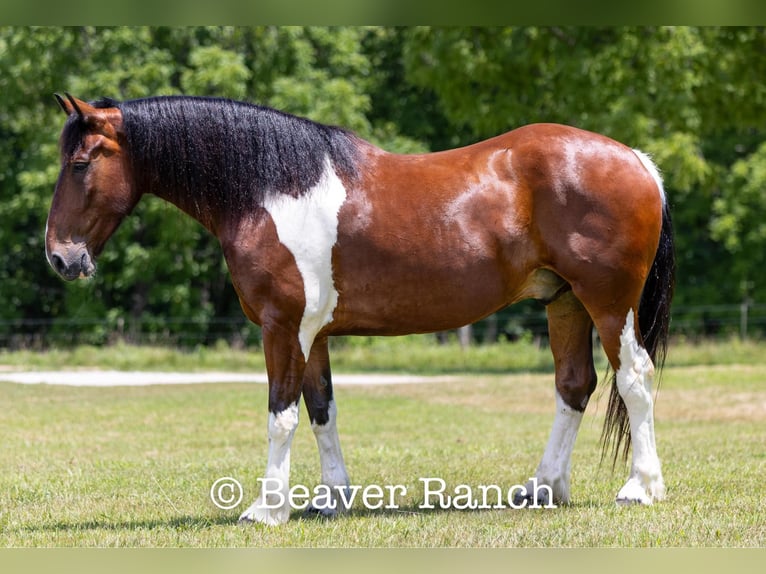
224,154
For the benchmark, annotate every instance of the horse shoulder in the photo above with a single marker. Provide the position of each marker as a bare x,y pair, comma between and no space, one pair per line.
262,269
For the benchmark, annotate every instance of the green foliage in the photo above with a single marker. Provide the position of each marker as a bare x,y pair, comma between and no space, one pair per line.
692,97
213,70
739,218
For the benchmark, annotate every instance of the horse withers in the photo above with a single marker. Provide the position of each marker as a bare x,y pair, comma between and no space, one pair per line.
325,234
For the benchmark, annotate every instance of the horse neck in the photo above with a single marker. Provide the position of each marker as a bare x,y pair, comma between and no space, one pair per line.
196,207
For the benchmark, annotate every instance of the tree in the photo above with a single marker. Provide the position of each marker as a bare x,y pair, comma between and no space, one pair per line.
692,97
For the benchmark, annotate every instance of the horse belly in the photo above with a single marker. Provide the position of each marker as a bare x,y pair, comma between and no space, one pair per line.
415,304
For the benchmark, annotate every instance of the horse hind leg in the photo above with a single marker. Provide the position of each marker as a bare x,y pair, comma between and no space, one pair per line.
631,404
570,330
634,379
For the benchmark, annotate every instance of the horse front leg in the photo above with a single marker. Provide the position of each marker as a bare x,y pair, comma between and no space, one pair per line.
320,404
285,365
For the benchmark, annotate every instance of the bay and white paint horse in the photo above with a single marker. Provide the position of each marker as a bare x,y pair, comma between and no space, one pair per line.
325,234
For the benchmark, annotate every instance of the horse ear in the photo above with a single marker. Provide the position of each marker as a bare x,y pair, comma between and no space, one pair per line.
64,104
77,105
72,105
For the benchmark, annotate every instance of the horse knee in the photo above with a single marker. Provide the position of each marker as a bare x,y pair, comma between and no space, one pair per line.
282,424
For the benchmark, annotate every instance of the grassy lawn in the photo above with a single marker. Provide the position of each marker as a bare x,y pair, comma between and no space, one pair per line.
132,466
416,354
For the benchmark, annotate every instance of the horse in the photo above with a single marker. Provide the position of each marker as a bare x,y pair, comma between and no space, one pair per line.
326,234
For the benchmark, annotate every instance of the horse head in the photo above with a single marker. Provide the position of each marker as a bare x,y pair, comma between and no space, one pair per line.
94,190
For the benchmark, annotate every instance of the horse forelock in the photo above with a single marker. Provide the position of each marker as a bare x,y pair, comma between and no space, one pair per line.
223,154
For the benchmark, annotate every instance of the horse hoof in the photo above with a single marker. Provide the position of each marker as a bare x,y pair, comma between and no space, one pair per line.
633,493
257,514
531,499
631,501
314,512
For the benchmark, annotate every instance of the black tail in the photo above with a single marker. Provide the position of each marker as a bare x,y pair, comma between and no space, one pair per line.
653,320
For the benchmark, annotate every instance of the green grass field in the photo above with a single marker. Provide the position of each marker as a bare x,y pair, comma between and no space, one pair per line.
132,466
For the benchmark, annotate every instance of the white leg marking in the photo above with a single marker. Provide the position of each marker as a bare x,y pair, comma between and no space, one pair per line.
555,466
634,382
652,169
308,227
334,473
268,509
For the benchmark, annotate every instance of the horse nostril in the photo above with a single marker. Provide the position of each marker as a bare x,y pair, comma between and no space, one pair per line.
58,264
68,271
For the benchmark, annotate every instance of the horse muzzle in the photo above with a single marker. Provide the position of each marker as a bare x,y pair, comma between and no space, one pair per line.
71,262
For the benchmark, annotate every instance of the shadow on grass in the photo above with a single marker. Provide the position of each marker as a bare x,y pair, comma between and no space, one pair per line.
191,523
416,510
177,523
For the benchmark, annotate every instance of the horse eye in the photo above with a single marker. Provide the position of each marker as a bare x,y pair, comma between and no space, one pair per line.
80,166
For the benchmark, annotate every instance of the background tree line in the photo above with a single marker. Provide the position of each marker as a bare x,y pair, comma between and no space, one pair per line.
692,97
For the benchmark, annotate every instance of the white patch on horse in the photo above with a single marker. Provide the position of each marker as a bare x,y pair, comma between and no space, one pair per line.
464,211
555,466
267,510
308,227
334,472
652,169
634,382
